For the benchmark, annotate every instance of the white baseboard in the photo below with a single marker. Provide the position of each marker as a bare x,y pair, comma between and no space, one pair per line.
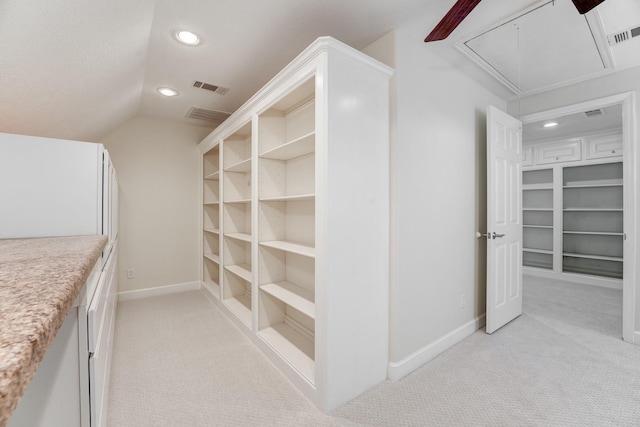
636,338
160,290
404,367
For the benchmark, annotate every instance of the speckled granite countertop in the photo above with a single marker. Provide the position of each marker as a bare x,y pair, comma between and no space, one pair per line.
39,281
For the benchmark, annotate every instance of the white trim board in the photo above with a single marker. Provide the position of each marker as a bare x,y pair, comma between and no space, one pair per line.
636,339
398,370
157,291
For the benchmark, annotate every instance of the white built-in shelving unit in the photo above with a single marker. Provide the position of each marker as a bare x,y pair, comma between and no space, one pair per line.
296,213
573,209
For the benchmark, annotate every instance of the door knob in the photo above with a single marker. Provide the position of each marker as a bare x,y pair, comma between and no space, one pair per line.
489,236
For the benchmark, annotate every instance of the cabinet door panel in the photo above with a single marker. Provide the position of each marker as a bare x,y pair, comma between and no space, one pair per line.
556,152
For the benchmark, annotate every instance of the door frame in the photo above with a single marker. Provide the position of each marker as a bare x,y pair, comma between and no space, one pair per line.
631,196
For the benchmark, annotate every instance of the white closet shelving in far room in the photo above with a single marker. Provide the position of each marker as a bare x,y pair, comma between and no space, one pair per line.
573,210
301,224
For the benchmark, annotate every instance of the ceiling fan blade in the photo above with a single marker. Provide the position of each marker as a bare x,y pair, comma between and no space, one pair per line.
453,18
585,6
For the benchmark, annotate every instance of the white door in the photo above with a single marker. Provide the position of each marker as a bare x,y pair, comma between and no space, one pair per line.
504,219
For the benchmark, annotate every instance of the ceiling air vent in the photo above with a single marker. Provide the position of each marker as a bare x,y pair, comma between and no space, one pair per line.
213,88
623,36
207,114
593,113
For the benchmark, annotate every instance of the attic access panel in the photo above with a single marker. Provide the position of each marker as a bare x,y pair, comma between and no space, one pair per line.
540,49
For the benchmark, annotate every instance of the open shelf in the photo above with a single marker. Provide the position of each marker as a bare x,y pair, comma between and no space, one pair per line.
292,149
211,217
284,178
241,166
212,230
537,238
239,236
298,197
241,307
292,247
537,259
243,271
537,251
212,257
595,266
211,275
293,295
215,176
293,347
211,163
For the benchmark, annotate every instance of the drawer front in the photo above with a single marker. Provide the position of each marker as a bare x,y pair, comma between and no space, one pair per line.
604,146
565,151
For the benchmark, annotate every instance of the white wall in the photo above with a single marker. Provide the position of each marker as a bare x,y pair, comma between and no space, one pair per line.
157,162
439,200
623,81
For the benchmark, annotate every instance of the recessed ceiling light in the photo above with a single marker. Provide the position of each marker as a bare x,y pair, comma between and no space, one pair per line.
167,91
187,37
551,124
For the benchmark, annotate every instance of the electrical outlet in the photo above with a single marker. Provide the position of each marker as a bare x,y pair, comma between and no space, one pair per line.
463,301
131,273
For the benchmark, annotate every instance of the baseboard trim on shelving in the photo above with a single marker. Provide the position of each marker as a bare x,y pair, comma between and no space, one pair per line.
157,291
398,370
636,338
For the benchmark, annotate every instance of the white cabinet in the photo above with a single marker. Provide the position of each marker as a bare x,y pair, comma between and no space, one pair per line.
54,187
559,151
603,146
295,221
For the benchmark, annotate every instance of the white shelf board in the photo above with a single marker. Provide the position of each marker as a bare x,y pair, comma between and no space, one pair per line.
240,306
292,347
213,176
537,251
592,210
529,187
293,295
538,226
602,258
212,230
292,247
243,271
239,236
242,166
594,233
591,185
538,209
238,201
212,257
292,198
292,149
211,203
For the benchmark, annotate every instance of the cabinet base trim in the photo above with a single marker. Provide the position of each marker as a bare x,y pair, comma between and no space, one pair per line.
398,370
157,291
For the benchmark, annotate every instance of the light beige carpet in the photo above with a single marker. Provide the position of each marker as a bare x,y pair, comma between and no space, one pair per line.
178,361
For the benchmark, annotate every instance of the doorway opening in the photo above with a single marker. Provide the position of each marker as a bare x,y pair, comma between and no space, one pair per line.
579,222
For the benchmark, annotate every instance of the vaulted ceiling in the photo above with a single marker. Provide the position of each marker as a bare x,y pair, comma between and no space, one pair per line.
76,69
